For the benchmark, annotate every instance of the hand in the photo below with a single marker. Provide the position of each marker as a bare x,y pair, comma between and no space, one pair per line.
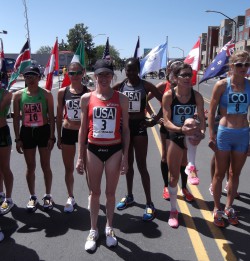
19,147
124,166
212,145
59,144
50,144
80,168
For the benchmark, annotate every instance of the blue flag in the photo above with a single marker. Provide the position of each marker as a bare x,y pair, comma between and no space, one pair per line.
220,63
155,60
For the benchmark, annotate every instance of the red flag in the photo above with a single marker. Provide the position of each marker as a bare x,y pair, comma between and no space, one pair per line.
51,66
194,61
66,81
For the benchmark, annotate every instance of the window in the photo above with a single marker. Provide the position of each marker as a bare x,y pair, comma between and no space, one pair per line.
247,21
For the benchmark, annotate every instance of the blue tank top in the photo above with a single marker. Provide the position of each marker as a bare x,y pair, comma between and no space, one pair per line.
136,95
235,102
182,111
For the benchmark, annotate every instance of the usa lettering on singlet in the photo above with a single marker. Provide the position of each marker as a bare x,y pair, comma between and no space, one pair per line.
237,103
134,101
182,112
73,109
33,114
104,122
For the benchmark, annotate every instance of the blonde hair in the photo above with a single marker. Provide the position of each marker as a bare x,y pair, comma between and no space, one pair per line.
238,55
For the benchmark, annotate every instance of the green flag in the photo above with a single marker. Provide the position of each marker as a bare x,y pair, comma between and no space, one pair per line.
79,54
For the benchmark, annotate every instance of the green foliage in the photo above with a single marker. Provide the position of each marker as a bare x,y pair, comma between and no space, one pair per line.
44,49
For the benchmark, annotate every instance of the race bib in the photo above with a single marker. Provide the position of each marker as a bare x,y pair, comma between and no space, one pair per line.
134,101
104,122
182,112
237,103
73,109
33,114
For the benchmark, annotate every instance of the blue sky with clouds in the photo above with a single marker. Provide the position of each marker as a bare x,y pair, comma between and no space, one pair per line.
181,21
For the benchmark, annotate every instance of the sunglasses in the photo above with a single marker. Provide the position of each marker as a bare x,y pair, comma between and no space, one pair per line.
185,75
30,77
72,73
240,65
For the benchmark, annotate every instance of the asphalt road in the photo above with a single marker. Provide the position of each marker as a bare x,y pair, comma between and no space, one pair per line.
58,236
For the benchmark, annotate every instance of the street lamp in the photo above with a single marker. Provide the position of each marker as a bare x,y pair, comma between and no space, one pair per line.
235,23
180,49
97,35
3,32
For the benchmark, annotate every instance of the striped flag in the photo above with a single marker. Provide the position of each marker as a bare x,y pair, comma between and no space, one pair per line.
106,52
193,59
78,57
3,69
23,60
137,49
51,66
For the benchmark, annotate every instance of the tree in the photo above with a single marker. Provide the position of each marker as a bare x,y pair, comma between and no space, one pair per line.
44,49
63,46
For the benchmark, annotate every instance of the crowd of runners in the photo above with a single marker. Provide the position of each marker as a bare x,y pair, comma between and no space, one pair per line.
107,130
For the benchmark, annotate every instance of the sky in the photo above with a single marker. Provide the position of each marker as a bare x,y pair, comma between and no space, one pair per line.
181,22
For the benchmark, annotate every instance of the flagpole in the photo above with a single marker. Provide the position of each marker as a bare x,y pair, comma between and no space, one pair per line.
199,64
167,54
58,75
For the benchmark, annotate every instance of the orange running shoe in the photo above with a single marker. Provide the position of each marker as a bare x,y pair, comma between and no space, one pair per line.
218,220
187,195
231,215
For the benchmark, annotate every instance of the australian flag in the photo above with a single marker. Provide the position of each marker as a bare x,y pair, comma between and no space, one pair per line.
220,63
106,53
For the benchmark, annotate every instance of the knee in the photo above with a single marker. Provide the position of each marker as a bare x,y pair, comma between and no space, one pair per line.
95,194
110,195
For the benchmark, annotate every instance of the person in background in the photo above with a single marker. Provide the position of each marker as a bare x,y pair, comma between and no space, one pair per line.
231,143
164,133
179,105
102,112
6,175
137,90
68,122
35,107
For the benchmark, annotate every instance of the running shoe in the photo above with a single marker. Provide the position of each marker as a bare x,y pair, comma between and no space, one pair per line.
32,204
6,206
70,205
47,202
125,202
231,215
1,236
90,245
149,213
111,240
173,219
165,193
191,171
2,198
187,195
218,220
211,189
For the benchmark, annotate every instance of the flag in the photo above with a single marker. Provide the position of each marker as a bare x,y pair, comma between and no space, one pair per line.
194,61
23,60
137,49
3,69
79,57
154,60
51,66
106,53
219,64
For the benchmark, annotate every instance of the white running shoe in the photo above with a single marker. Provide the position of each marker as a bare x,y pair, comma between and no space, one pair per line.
111,240
6,206
32,204
90,245
70,205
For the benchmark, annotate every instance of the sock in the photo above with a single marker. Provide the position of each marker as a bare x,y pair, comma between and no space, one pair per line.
173,197
191,151
183,177
164,172
107,229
